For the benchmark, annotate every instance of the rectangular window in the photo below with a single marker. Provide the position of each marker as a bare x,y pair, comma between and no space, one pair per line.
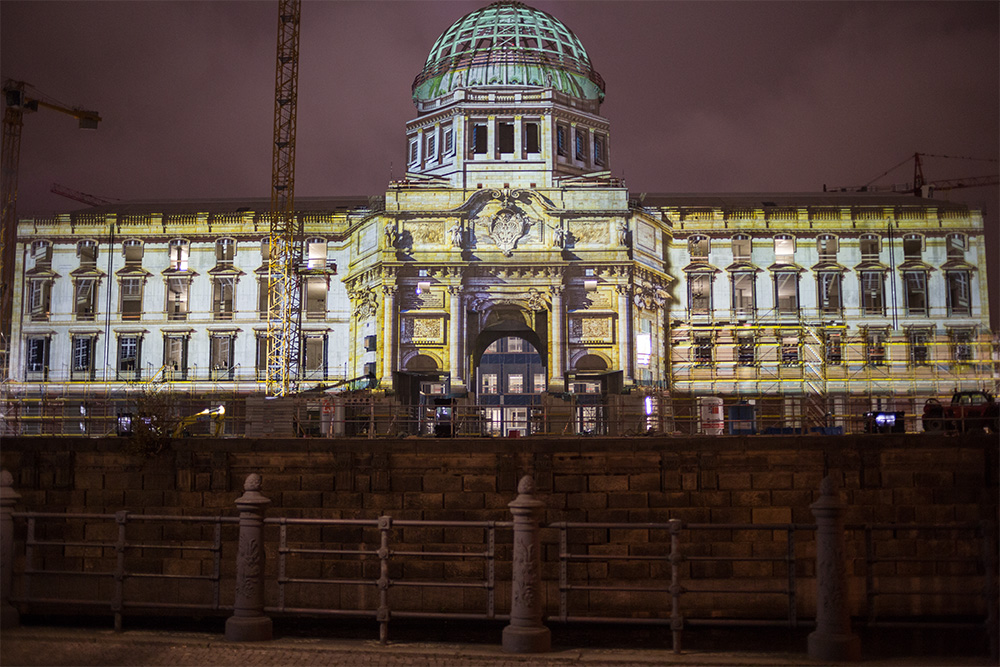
225,251
40,299
315,298
132,249
85,299
698,247
643,344
872,285
833,348
956,246
531,143
128,357
223,291
262,350
743,294
177,298
958,293
431,139
919,347
515,383
875,347
786,293
131,298
916,292
562,140
789,349
702,350
514,344
41,255
539,385
700,293
262,297
829,292
505,137
784,249
449,141
413,151
37,358
961,340
221,356
746,350
600,154
581,144
316,253
741,249
869,248
82,367
175,356
179,251
478,144
87,251
314,359
913,246
827,247
489,383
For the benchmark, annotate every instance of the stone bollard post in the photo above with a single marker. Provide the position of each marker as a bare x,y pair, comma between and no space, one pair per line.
832,639
248,622
9,618
526,633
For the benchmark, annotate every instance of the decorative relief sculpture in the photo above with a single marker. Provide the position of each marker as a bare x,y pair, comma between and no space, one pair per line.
424,233
456,236
422,330
590,233
365,303
506,229
590,330
389,234
535,300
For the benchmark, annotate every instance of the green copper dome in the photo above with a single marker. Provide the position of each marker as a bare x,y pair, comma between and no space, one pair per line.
508,44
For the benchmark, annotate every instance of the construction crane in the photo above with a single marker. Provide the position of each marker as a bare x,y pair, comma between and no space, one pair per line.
20,98
76,195
284,313
920,186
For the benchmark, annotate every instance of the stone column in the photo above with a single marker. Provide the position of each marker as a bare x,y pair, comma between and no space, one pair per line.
389,329
832,639
526,633
9,618
248,622
558,356
456,351
624,335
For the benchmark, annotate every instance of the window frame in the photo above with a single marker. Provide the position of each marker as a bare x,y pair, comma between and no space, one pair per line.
825,280
130,295
700,304
868,303
959,287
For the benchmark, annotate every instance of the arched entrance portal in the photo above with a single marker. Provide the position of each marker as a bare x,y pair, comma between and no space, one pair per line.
509,376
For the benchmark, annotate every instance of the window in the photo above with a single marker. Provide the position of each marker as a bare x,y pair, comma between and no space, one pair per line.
493,348
702,349
413,151
746,349
700,293
489,383
85,299
223,291
915,283
961,345
478,144
833,347
41,255
262,352
562,140
827,246
129,347
87,252
179,251
515,345
956,244
314,297
743,293
314,357
784,249
132,250
449,141
225,251
430,139
698,246
531,143
875,347
82,365
913,246
39,299
919,347
786,292
177,298
175,356
869,248
789,348
581,144
316,250
644,343
958,293
265,250
220,356
741,248
600,153
262,297
539,385
37,358
515,383
872,285
828,283
131,298
505,137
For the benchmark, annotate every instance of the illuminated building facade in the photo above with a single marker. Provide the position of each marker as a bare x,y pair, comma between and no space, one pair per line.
508,226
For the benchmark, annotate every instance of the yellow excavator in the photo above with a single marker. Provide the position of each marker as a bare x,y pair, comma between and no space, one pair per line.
215,415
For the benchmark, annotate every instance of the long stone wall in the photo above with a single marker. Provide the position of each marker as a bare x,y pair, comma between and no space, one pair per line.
759,480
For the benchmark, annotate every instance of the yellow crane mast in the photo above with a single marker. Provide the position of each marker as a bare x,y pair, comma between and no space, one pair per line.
19,98
284,314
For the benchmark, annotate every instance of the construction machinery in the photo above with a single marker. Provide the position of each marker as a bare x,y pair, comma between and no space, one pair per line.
20,98
76,195
285,240
920,186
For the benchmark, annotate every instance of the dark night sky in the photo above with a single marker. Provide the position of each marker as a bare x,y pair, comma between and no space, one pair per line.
702,96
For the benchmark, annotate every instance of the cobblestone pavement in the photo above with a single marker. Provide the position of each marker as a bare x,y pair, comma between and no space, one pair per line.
62,646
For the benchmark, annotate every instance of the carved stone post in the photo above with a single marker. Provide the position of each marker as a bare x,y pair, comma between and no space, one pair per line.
832,639
558,382
389,329
456,353
9,618
624,334
526,634
248,622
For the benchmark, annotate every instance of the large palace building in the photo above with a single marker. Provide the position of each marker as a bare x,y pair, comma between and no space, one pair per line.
509,269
